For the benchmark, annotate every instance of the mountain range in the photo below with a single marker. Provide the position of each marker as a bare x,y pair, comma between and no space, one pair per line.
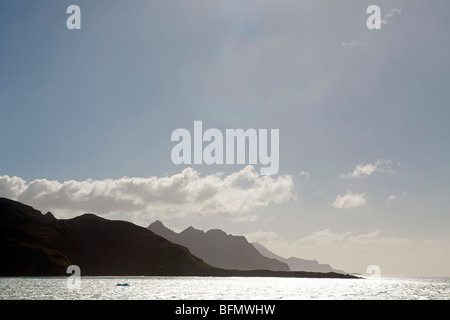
219,249
36,244
223,250
297,264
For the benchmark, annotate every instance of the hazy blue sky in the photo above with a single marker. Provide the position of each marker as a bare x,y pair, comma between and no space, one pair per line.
87,116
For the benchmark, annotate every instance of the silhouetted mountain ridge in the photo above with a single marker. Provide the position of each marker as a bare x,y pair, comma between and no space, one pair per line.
297,264
33,244
220,249
36,244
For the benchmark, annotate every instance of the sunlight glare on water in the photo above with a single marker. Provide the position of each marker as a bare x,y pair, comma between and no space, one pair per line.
216,288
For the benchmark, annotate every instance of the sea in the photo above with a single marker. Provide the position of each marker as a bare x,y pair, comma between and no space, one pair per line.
226,288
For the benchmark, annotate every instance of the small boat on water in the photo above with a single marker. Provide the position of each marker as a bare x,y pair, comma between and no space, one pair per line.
122,285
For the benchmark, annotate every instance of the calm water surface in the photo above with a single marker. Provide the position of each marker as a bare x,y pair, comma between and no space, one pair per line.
216,288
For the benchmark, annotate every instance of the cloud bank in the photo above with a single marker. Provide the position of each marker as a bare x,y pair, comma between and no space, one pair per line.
329,239
395,255
366,170
141,199
349,200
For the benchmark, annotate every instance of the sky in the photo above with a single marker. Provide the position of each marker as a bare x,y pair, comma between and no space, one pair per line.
87,117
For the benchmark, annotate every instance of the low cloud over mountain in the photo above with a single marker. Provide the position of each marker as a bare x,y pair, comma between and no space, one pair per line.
137,199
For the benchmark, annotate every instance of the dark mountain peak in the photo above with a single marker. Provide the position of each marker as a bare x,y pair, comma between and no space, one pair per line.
50,216
191,228
160,229
191,231
156,224
216,233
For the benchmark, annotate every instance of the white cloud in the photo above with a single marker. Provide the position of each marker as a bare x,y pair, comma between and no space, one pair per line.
140,199
349,200
326,239
390,14
366,170
354,252
11,187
